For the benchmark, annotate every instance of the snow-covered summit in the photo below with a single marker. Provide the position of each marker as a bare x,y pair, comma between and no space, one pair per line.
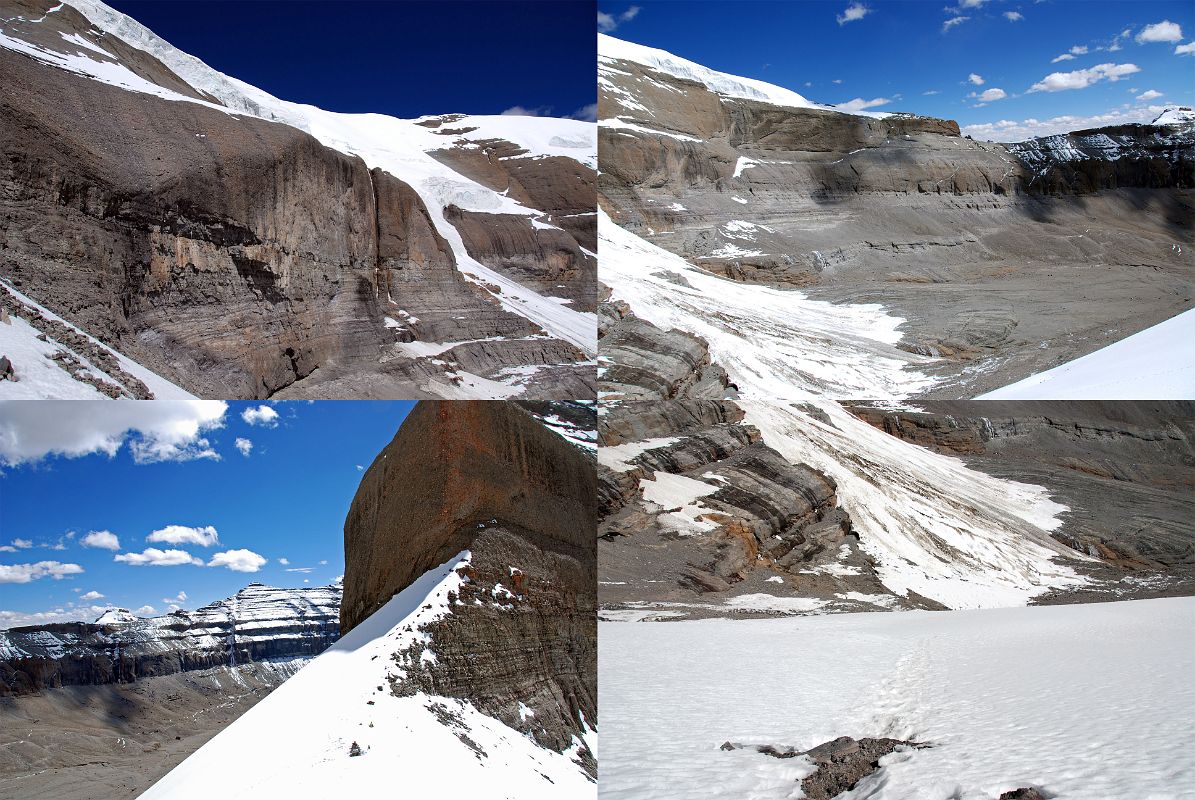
1176,115
611,49
116,616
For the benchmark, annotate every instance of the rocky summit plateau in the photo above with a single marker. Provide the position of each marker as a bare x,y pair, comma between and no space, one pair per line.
870,255
171,231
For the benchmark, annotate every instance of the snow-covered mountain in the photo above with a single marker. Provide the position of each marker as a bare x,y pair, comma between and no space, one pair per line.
462,257
258,623
338,727
868,256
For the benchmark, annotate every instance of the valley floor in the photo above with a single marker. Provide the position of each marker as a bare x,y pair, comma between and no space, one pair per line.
1082,701
115,741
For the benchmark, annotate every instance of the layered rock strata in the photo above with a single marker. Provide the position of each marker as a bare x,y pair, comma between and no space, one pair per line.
258,623
519,641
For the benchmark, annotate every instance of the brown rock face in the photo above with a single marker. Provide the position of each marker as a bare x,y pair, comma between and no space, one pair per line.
488,477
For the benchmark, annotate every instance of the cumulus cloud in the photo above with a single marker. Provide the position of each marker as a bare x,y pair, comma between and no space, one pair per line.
1164,31
988,95
106,540
145,611
609,22
858,104
181,597
22,544
7,548
1013,16
854,11
1185,49
1149,94
520,111
975,79
360,468
164,430
323,562
181,534
154,557
265,416
1063,57
284,562
952,22
1082,78
1079,50
244,445
24,573
1006,130
238,560
17,619
93,595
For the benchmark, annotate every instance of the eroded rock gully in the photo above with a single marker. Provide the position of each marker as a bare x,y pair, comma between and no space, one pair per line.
519,641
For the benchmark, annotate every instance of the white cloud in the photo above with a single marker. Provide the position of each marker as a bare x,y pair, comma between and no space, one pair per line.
988,95
522,111
181,597
303,570
1063,57
360,468
145,611
238,560
836,81
1019,130
854,11
164,430
585,113
1013,16
306,580
102,539
17,619
244,445
284,562
152,556
1079,50
1185,49
181,534
608,22
24,573
1164,31
858,104
1149,94
1082,78
23,544
7,548
92,595
953,21
264,415
975,79
931,92
323,563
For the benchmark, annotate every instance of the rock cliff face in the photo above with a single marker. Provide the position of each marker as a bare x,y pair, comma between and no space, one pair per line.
1123,468
519,641
237,255
259,623
969,242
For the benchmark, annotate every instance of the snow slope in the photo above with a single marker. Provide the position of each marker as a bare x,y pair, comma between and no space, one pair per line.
42,379
1158,363
295,743
398,146
779,343
1084,701
934,526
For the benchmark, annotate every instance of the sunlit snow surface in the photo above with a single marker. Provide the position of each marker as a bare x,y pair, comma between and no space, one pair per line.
395,145
295,743
1158,363
934,526
1088,701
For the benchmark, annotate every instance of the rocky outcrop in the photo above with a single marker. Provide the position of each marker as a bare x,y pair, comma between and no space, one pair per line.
1123,468
1086,161
258,623
840,763
487,477
698,513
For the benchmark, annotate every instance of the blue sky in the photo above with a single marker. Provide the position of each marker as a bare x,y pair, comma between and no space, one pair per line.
405,59
911,55
181,466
